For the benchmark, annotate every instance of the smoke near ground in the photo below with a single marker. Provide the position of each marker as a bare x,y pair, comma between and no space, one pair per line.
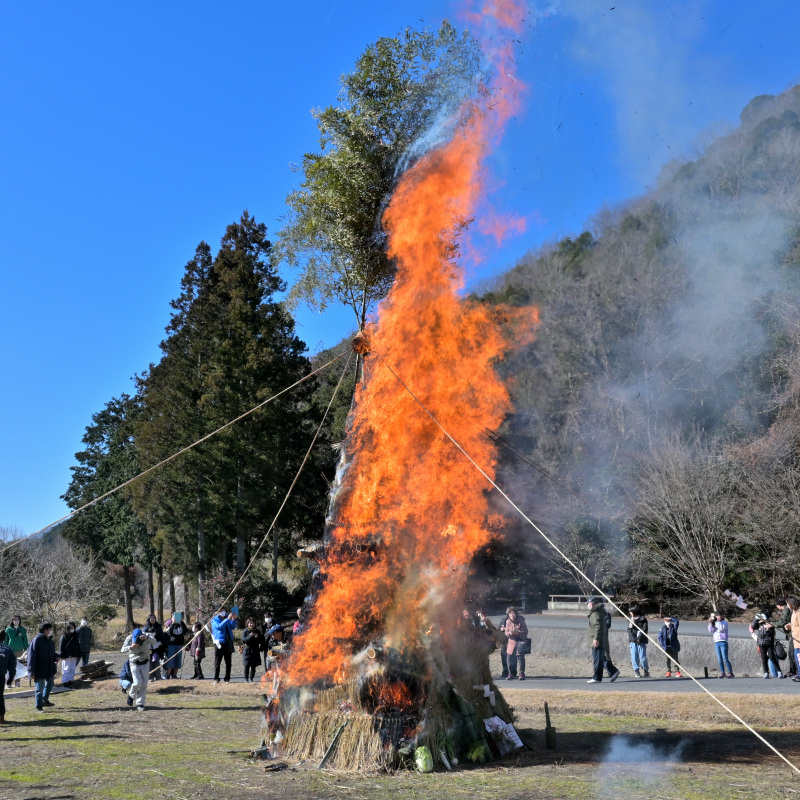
651,763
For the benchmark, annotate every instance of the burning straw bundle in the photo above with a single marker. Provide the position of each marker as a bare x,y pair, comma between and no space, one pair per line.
379,719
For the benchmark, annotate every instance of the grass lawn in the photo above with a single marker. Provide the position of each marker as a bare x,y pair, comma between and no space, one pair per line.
678,746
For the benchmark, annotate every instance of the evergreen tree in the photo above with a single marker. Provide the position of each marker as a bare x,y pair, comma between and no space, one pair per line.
230,345
110,528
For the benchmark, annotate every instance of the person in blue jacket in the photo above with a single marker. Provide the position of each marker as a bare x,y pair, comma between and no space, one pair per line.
668,639
222,627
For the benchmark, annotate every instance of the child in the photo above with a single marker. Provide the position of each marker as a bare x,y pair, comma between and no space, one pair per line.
668,639
197,650
718,625
638,642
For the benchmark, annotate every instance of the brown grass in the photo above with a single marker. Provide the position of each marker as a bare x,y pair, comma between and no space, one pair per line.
758,710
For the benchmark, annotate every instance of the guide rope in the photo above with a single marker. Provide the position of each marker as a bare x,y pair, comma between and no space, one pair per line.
224,603
173,456
580,572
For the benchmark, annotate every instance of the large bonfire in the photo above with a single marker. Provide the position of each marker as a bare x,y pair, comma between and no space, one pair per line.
381,659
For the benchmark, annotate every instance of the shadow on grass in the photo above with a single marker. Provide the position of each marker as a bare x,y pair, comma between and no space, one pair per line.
739,747
58,722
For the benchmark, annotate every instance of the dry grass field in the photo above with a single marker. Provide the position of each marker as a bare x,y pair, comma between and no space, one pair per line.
193,741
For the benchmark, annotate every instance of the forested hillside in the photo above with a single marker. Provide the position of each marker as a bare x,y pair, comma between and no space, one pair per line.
657,404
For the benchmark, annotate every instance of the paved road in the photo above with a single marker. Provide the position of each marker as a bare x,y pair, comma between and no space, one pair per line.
627,683
772,686
735,630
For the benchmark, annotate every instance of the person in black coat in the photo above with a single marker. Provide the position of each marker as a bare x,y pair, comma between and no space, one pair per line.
174,640
86,640
70,651
765,639
153,628
252,641
8,669
42,664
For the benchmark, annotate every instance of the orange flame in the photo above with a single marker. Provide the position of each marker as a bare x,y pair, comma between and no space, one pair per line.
394,696
407,487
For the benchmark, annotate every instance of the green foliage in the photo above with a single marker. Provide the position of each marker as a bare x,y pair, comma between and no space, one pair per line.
100,614
256,594
333,232
110,528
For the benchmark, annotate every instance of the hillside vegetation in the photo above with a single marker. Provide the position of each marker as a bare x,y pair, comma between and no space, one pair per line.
657,406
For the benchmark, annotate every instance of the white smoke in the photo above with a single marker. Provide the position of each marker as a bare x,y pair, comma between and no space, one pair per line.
649,61
650,764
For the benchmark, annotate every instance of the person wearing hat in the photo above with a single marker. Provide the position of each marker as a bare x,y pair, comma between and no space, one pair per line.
597,638
139,646
764,632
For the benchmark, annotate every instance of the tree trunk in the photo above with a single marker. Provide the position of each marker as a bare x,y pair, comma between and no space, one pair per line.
126,587
172,608
161,594
151,595
275,554
240,535
201,553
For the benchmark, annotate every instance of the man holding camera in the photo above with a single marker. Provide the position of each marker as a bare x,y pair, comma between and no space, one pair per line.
139,645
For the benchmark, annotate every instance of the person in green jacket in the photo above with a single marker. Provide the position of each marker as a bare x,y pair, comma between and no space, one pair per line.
17,638
597,638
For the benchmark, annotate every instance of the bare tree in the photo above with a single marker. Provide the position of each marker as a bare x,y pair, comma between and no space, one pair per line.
686,507
771,532
598,552
48,580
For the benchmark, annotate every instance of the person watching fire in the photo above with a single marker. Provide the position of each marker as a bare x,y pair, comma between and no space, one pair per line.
516,631
668,639
597,637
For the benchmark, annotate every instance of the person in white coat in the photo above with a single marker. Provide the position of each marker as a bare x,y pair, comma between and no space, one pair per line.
139,646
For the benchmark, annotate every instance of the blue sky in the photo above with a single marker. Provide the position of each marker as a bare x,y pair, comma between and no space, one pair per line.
132,132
